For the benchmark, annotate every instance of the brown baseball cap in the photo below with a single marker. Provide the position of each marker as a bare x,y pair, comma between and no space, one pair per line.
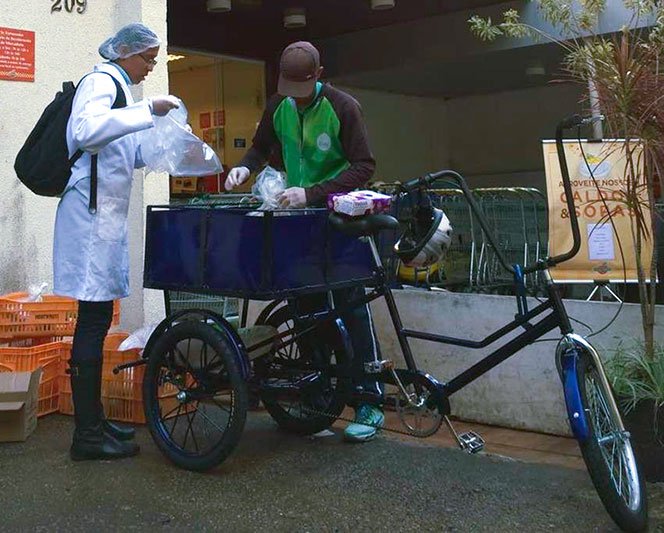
298,70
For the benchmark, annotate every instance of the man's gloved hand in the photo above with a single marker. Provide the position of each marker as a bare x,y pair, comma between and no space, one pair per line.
161,105
236,176
293,197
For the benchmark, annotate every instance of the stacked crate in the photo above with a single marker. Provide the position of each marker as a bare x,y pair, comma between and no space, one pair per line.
121,393
34,334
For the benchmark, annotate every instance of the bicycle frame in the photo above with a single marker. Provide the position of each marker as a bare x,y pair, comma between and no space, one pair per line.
557,318
568,350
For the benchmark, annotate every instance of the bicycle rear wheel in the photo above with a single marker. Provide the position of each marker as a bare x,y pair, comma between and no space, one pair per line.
318,408
608,452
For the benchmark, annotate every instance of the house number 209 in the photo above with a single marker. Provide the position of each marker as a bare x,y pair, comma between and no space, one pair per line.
69,5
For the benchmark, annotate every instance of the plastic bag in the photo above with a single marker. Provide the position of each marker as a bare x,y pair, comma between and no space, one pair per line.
138,339
35,293
269,185
171,147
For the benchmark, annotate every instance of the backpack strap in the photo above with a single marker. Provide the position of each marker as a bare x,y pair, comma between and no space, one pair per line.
120,101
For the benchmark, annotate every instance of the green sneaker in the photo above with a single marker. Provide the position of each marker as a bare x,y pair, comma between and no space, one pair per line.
359,431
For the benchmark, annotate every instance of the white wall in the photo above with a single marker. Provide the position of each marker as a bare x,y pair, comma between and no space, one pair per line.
65,49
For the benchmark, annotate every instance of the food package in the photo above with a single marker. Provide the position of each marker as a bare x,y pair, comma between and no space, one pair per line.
359,203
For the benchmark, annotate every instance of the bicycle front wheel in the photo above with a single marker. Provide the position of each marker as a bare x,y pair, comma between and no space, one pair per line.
608,452
195,398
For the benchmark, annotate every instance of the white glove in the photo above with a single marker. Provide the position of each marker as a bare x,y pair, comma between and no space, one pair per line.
161,105
236,176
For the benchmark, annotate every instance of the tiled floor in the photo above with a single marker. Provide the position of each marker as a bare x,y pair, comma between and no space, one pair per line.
521,445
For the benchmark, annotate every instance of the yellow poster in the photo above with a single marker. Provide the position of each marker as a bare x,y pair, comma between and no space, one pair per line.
599,257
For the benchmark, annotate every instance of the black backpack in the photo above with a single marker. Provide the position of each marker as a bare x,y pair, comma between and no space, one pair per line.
43,163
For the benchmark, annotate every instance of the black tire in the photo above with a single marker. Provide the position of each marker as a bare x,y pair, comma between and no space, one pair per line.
296,416
195,361
611,462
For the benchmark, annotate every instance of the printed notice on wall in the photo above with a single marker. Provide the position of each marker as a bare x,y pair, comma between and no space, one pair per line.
17,54
600,242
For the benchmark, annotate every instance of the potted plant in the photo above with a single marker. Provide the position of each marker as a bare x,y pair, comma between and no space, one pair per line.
638,380
623,78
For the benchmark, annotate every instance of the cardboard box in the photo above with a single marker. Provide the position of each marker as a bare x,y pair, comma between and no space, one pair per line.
183,185
19,398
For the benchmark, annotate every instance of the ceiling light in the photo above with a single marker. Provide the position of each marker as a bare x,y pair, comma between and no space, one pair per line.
218,6
173,57
295,17
382,4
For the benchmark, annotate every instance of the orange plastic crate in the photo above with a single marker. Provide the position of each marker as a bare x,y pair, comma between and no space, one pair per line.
49,356
53,316
121,394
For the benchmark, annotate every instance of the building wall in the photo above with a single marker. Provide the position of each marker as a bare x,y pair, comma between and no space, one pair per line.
65,49
494,140
197,87
237,87
408,134
244,100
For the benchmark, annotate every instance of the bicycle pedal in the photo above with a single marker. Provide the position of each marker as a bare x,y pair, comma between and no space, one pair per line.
376,367
471,442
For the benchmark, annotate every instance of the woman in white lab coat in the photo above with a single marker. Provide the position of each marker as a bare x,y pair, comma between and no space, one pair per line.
90,253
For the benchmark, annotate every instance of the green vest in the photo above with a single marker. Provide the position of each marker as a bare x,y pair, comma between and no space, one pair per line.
311,148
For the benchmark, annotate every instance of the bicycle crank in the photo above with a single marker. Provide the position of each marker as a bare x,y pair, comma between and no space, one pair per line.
351,420
419,400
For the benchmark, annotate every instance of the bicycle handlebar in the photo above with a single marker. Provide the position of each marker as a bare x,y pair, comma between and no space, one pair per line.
568,123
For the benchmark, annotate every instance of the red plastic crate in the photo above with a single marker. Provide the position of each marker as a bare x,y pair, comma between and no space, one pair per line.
54,316
122,394
49,356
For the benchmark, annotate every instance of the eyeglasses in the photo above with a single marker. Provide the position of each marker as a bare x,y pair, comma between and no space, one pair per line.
149,61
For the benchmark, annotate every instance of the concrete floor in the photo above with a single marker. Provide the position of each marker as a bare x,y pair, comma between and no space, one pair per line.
525,446
279,482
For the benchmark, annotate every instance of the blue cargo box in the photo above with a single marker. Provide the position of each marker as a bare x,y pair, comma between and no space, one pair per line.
242,252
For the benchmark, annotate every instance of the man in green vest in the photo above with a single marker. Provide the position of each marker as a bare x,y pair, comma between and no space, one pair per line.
316,133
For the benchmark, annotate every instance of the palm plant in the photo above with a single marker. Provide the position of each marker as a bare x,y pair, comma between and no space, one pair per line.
636,377
624,70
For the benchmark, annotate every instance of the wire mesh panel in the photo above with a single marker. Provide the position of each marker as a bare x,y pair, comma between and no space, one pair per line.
456,265
516,216
537,230
176,301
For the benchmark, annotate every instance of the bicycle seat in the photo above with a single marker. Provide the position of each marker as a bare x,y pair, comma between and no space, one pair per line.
363,226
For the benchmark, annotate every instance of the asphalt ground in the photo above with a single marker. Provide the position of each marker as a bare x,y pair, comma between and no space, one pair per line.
275,481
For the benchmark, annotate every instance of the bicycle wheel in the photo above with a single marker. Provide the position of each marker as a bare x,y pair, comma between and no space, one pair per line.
608,452
324,400
195,397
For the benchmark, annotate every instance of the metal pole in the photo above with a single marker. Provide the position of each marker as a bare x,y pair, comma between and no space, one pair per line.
593,97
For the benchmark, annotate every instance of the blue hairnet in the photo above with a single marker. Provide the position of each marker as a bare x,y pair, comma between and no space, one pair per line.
128,41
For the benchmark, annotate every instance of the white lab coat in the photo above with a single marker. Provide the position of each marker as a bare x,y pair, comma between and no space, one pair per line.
90,251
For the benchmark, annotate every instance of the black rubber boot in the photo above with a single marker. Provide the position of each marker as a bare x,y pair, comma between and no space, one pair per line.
90,441
111,428
122,433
